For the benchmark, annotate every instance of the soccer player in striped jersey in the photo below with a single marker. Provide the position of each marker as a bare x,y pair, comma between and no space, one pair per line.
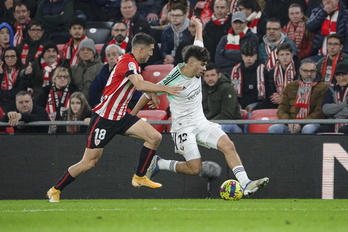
189,125
110,117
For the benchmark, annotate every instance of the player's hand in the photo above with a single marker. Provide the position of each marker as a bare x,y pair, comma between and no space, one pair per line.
154,102
29,69
173,90
197,22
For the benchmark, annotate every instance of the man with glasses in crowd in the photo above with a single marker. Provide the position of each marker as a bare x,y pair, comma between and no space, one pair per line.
302,99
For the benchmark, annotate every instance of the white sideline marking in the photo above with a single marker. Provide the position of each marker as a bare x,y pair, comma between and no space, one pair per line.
153,209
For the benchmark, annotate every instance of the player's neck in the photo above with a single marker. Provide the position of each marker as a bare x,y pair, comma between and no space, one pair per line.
185,71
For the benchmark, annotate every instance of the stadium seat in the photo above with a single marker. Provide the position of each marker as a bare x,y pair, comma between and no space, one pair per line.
60,49
155,73
99,47
98,31
260,128
154,115
265,112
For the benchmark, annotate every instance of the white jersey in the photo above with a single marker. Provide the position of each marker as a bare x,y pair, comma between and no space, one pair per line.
186,108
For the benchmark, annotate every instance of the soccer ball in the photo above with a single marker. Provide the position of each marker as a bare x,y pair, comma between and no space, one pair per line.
231,190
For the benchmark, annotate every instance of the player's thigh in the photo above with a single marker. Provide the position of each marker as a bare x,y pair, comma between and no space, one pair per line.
143,130
209,135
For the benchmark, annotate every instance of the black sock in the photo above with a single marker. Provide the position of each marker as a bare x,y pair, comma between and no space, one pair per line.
145,158
64,181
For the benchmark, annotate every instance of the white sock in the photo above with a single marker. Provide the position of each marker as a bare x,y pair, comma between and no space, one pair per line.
169,165
241,175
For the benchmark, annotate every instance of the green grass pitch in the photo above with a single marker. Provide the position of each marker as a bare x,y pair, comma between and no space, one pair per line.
182,215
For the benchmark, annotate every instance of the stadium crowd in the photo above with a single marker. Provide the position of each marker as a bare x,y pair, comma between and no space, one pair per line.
289,55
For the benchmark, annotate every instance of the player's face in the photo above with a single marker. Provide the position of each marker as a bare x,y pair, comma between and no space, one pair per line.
198,67
342,79
50,56
21,14
77,31
220,9
75,105
295,15
24,103
273,31
334,46
249,60
238,27
285,57
308,72
146,52
211,77
4,36
112,55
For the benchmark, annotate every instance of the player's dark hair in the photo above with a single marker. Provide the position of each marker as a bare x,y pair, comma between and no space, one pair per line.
200,53
284,46
336,36
212,66
143,39
248,49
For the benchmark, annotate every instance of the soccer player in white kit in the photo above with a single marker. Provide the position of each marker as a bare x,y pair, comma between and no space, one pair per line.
190,127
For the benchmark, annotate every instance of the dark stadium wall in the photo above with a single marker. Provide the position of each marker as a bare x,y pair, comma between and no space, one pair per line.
31,164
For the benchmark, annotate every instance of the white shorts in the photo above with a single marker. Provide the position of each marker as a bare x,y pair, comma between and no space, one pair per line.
186,140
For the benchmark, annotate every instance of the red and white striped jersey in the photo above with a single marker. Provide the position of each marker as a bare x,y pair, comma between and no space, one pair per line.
119,89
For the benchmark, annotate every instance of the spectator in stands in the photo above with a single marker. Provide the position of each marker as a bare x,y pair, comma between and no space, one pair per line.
32,44
302,99
55,15
26,111
219,98
109,11
22,16
11,82
228,52
55,97
78,33
6,37
112,51
311,4
208,43
297,32
279,9
254,16
7,9
329,18
286,70
219,25
335,103
165,18
150,9
134,21
327,65
41,70
248,78
119,37
88,67
176,32
274,36
78,110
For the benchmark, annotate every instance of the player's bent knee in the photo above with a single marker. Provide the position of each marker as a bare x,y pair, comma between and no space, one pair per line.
155,138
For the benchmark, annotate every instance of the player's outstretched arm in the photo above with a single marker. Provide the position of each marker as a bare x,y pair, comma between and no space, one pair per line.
146,98
199,29
146,86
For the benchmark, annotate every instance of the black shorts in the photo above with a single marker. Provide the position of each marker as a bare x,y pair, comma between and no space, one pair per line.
100,130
